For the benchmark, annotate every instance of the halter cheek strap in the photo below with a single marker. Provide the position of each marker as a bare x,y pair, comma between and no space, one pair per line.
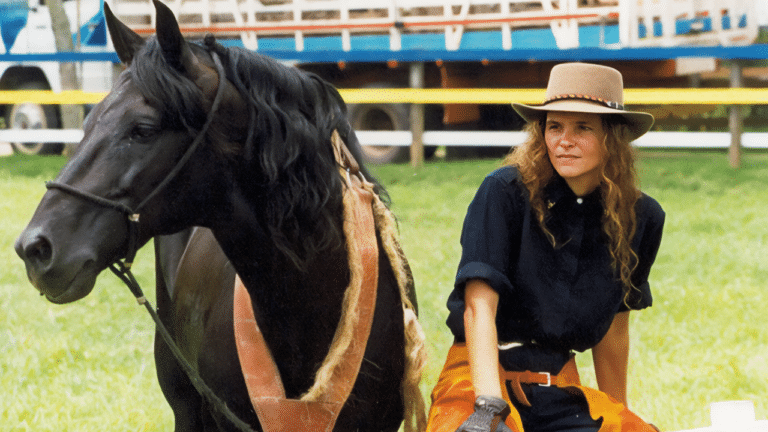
133,215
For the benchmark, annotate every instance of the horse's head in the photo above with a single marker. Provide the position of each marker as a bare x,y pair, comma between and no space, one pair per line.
136,154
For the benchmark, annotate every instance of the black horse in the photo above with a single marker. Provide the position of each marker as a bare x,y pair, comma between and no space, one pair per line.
262,179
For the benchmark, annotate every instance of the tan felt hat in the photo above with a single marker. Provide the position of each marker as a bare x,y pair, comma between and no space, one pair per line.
588,88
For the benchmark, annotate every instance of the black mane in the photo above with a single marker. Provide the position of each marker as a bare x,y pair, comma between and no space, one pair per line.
285,154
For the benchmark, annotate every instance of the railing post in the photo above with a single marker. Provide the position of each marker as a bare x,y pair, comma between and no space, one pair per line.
417,116
735,119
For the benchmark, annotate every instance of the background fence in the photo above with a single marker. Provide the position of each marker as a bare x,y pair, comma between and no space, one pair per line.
649,96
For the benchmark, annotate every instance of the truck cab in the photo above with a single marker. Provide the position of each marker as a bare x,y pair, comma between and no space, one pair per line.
26,29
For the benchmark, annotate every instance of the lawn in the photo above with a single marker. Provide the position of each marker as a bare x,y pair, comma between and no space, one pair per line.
88,366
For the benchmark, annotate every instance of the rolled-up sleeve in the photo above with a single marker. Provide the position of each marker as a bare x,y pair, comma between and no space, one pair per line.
488,235
653,224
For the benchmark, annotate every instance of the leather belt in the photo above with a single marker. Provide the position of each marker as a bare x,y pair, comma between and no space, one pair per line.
569,375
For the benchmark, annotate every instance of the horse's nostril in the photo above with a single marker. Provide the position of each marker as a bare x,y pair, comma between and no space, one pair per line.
38,250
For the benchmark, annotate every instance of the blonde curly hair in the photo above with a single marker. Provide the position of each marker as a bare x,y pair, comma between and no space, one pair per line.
619,188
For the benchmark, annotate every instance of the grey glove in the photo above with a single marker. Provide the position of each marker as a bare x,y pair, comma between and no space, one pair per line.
490,413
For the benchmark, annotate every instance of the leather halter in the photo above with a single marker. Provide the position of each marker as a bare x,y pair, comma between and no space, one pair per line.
122,269
265,388
133,214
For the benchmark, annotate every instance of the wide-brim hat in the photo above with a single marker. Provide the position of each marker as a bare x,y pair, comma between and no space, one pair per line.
587,88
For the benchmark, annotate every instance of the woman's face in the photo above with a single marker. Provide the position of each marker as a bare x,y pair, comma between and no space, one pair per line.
575,148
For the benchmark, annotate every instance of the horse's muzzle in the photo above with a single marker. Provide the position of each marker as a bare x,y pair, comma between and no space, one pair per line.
60,282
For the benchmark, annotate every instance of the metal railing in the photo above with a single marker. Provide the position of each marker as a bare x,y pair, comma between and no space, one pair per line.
680,96
643,96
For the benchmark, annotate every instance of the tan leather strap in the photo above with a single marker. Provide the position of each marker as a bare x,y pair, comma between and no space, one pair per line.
343,156
276,412
568,376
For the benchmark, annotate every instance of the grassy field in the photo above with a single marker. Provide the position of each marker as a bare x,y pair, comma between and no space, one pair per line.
88,366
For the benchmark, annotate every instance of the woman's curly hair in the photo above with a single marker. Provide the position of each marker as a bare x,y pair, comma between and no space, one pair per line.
619,189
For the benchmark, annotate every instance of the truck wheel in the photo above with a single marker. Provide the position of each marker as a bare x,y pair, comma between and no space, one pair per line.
381,117
33,116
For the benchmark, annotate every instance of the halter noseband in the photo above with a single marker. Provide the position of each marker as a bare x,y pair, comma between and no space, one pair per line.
134,214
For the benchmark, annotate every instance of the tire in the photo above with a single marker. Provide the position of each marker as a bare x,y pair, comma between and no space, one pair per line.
33,116
381,117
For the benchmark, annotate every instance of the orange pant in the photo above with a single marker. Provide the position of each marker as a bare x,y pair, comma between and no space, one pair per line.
453,399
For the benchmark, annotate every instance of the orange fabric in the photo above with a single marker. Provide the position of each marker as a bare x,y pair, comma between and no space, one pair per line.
453,398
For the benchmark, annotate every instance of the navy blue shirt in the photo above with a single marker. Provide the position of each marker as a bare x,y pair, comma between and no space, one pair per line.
562,298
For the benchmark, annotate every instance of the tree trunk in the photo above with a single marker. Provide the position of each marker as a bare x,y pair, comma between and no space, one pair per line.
71,115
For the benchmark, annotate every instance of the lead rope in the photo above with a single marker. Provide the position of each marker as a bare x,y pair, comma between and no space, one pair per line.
127,277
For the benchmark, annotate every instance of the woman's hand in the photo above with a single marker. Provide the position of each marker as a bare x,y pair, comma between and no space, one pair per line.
490,413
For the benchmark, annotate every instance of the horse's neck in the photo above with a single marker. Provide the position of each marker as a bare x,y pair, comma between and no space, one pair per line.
298,311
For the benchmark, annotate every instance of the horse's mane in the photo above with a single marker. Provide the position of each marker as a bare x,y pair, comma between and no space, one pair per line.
286,152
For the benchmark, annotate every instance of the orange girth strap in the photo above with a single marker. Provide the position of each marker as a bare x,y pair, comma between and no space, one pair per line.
277,413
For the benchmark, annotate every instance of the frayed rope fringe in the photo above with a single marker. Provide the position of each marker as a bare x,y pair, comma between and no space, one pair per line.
415,418
344,332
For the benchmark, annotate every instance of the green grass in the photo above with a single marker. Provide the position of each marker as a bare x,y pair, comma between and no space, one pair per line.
88,365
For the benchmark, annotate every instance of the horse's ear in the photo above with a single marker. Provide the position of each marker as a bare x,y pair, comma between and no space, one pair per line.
125,40
175,50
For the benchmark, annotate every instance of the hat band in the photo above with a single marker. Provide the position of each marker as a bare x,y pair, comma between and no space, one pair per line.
609,104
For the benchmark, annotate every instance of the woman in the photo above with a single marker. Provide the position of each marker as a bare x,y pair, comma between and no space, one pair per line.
557,248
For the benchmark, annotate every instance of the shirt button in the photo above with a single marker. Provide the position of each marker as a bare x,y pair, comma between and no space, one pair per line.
579,200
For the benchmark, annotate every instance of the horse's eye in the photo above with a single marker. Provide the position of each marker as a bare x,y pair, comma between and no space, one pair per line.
143,132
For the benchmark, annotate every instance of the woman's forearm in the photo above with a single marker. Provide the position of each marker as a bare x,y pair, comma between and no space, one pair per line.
482,341
611,358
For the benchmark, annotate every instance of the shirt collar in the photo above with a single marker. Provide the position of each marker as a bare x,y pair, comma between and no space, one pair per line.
557,191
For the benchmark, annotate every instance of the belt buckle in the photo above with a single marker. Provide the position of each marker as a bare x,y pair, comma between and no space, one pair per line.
549,379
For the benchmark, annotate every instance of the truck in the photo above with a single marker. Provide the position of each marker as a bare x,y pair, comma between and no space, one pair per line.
371,43
25,26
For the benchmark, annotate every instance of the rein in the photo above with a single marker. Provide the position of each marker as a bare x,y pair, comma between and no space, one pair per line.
122,269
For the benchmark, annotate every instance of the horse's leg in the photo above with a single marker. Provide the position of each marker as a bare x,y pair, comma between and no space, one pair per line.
184,400
376,402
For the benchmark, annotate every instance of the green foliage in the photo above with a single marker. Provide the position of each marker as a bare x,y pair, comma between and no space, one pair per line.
88,366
